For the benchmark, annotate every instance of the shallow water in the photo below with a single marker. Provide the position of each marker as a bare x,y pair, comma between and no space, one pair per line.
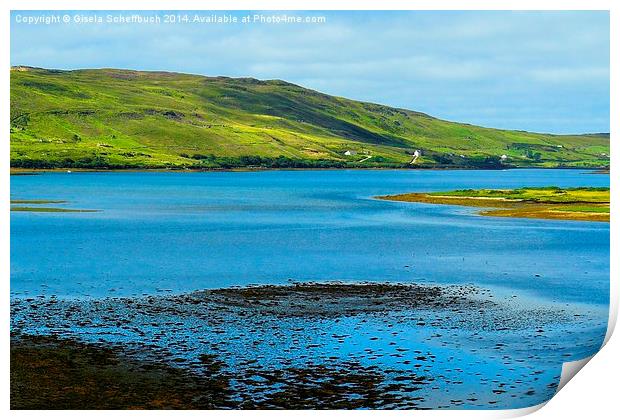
170,233
463,348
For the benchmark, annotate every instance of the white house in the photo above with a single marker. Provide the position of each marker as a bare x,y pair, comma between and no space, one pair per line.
416,155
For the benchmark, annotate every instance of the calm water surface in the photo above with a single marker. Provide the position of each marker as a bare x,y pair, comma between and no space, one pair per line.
161,232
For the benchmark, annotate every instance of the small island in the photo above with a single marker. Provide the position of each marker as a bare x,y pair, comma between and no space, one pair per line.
35,206
584,203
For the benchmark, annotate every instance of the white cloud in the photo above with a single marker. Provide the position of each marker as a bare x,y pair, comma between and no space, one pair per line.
570,75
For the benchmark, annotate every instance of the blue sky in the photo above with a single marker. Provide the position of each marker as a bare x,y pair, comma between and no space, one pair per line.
536,71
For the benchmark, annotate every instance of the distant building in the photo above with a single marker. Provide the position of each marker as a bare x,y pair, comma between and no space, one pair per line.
350,153
503,157
416,155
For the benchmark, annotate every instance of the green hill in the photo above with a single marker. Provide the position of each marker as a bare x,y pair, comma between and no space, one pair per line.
129,119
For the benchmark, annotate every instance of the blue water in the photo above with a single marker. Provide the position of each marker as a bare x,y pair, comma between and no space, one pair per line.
162,232
168,233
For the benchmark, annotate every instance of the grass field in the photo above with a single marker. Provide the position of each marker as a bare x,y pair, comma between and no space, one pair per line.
585,203
128,119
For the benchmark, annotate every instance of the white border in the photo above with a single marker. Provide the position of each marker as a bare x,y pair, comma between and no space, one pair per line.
593,396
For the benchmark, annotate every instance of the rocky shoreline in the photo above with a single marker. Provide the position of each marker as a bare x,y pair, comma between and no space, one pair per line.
297,346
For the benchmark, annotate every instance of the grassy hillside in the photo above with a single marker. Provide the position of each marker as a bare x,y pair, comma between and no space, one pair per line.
128,119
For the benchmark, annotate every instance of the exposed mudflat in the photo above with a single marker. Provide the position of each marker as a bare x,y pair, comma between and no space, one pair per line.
321,345
52,373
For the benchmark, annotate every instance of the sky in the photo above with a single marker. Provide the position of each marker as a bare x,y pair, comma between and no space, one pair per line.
535,71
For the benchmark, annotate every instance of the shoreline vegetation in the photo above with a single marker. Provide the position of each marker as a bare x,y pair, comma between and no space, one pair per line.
584,203
116,119
18,171
239,164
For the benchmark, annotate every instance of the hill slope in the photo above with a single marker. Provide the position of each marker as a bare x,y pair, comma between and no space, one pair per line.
128,119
